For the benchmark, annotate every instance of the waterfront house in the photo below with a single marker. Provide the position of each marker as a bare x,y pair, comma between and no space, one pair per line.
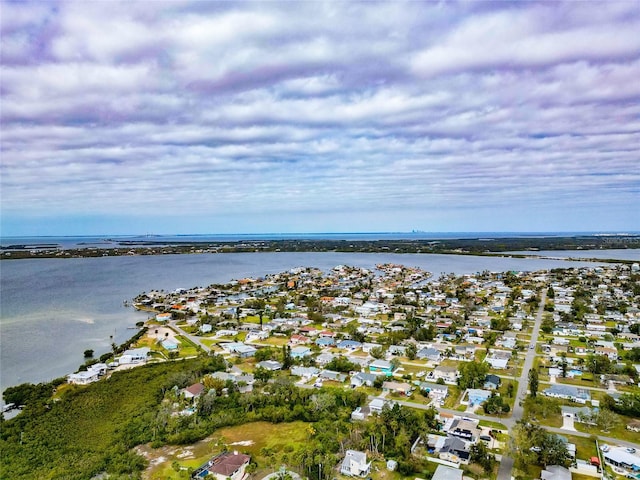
136,355
83,378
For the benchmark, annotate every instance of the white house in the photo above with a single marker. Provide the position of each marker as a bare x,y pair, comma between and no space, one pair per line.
136,355
355,464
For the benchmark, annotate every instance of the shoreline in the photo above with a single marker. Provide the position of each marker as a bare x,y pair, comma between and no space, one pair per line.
490,247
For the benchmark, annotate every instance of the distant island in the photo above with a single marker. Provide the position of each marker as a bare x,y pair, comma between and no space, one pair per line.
471,246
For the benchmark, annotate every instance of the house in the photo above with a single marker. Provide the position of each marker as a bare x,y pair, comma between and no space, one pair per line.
170,344
579,414
634,426
444,472
497,363
360,413
226,466
435,391
243,382
256,335
300,352
355,464
447,373
305,372
270,365
397,387
324,342
381,366
568,392
193,391
621,458
492,382
299,340
350,345
324,358
555,472
377,404
476,396
83,378
361,378
239,348
136,355
430,354
465,429
333,376
206,328
163,317
454,449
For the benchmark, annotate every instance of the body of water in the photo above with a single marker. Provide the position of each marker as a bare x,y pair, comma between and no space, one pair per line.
51,310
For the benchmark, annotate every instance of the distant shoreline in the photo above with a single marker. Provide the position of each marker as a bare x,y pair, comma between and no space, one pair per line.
526,246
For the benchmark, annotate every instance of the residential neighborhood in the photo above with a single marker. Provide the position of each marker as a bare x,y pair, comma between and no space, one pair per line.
490,354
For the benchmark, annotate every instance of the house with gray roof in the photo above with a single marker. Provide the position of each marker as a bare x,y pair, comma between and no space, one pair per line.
355,464
568,392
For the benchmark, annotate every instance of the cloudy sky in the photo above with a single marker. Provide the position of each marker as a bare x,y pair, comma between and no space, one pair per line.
239,117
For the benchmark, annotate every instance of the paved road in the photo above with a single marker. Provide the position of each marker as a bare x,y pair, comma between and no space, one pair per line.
195,339
506,465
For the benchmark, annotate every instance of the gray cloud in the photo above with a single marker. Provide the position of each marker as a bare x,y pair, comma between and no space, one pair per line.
411,115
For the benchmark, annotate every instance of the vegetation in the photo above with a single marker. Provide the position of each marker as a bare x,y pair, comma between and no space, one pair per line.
532,445
92,429
472,374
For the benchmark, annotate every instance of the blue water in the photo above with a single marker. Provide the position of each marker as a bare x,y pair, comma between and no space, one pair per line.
51,310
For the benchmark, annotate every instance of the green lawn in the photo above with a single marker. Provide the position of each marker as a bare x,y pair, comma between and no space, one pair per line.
619,431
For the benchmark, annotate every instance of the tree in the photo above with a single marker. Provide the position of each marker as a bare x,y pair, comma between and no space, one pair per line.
547,323
88,353
411,351
286,357
533,382
262,374
377,352
606,419
563,364
472,374
480,454
598,364
495,404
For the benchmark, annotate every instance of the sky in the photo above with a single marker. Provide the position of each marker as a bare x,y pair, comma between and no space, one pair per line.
239,117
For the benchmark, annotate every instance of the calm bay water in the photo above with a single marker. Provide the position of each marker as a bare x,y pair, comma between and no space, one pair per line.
51,310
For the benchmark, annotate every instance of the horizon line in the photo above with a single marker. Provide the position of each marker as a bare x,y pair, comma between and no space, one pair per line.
414,232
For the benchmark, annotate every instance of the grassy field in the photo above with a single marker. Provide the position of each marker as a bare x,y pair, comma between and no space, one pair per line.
255,439
620,430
